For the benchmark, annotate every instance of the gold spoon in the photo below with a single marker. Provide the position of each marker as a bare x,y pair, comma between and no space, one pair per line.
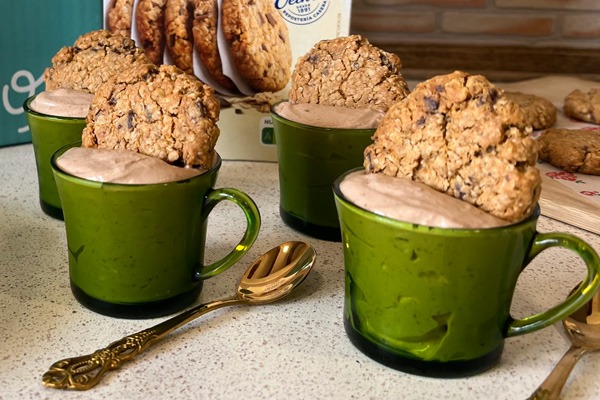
583,329
271,277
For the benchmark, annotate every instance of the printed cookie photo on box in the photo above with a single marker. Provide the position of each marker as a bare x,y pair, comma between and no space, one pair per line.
244,49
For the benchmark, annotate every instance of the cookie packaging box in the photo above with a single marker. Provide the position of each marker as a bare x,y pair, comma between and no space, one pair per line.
31,32
245,121
34,30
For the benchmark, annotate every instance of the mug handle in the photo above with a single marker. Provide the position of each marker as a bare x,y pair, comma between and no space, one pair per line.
212,198
578,298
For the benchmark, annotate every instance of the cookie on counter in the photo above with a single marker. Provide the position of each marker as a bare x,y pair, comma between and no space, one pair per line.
258,41
539,112
150,21
178,31
159,111
583,106
574,150
92,60
348,72
204,29
457,134
119,17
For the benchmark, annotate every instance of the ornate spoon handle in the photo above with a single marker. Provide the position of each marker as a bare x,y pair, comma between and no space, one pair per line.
84,372
551,387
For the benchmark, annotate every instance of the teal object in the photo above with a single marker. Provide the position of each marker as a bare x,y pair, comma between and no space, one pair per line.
137,251
436,301
31,33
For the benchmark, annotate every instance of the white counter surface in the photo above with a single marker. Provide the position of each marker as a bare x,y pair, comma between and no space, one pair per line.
294,349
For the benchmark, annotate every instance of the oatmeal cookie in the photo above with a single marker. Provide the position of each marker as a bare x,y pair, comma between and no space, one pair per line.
574,150
583,106
348,72
150,21
258,41
119,17
92,60
457,134
204,29
159,111
539,112
178,27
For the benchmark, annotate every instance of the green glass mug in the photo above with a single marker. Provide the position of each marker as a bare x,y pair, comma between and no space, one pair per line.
50,133
137,251
436,301
309,159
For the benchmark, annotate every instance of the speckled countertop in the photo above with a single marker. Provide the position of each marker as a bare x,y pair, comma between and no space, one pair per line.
294,349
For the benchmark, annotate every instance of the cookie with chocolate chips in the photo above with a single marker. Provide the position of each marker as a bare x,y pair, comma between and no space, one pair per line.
583,106
204,28
178,31
158,111
348,72
92,60
539,112
457,134
119,17
574,150
150,21
258,41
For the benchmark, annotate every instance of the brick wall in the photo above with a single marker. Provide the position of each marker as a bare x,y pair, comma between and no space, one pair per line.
563,23
519,38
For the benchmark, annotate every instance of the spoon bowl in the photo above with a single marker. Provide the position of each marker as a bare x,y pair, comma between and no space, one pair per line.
583,330
274,274
271,277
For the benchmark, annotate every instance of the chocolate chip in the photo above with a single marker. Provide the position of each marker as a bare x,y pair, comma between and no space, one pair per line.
493,95
457,189
386,63
202,107
271,19
130,118
521,166
431,104
313,59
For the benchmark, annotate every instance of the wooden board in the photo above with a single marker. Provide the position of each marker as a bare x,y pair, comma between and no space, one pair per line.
560,202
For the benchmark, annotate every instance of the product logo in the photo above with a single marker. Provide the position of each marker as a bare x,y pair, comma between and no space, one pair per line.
28,89
302,12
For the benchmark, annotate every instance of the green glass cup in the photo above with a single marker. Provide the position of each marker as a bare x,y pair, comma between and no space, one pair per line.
137,251
49,133
309,159
436,301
